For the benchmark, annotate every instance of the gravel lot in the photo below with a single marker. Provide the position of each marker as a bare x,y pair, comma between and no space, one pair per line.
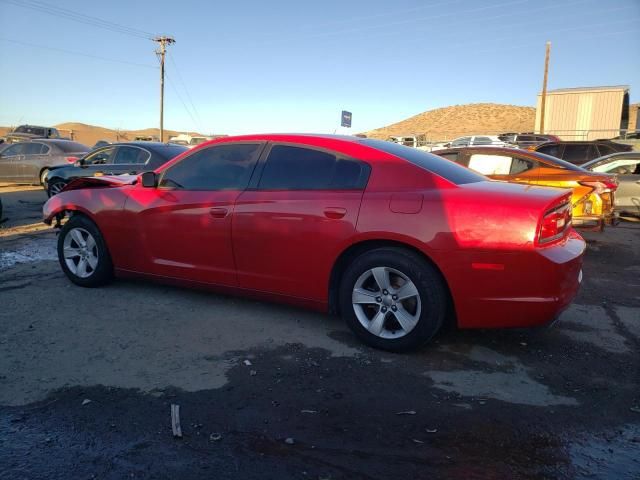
265,391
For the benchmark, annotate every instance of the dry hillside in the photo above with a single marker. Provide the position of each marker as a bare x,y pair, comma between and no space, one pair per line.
450,122
90,134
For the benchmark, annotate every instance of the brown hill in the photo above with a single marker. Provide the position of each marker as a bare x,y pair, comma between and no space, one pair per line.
90,134
450,122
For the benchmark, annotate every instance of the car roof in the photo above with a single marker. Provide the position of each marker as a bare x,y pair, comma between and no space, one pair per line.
611,156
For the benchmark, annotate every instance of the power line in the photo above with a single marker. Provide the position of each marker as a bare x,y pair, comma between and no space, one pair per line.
71,52
79,17
186,91
195,124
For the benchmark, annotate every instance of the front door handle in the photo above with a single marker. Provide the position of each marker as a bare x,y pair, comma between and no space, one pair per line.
335,212
218,212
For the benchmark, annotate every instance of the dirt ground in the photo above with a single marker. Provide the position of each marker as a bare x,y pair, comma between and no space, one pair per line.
87,378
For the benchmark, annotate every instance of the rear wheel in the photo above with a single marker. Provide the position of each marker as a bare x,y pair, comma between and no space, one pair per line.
43,176
83,254
393,299
55,187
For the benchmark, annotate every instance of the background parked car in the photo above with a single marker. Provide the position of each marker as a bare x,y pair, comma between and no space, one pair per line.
527,140
29,162
30,132
593,193
581,152
473,141
626,166
114,159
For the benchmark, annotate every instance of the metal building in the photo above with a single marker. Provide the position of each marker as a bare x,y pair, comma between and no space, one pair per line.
587,113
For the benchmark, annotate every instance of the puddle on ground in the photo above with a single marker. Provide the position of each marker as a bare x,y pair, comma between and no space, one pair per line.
616,455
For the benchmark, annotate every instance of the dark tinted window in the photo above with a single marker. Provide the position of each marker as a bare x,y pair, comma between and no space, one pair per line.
100,157
35,149
461,142
605,150
220,167
553,150
131,155
433,163
482,141
449,156
299,168
32,130
526,138
68,146
579,153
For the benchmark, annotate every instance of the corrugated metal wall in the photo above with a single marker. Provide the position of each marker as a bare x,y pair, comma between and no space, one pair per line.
578,114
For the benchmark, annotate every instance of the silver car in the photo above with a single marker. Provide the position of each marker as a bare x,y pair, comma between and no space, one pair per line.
626,166
28,162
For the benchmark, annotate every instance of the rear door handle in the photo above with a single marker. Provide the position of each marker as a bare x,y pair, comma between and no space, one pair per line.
218,212
335,212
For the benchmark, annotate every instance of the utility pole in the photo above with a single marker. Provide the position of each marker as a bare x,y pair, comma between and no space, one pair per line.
163,41
543,100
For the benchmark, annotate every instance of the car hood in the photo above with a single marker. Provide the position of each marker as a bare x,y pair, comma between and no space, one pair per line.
106,181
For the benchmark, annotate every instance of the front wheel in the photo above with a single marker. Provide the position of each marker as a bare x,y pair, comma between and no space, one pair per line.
55,187
83,253
393,299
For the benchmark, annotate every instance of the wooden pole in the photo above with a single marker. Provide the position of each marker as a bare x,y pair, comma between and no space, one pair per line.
543,100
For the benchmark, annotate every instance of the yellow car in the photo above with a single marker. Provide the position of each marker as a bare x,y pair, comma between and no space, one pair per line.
593,193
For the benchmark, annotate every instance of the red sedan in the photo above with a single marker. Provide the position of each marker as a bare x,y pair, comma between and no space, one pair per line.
393,239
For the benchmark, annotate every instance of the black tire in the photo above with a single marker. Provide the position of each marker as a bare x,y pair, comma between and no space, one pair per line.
430,289
103,271
55,182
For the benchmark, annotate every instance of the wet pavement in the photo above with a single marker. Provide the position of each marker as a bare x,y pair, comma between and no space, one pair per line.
88,376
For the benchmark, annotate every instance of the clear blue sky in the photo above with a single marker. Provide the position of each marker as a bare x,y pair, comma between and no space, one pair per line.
290,65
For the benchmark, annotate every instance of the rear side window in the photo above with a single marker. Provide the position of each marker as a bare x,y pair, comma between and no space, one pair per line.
578,154
433,163
220,167
606,150
299,168
131,155
500,164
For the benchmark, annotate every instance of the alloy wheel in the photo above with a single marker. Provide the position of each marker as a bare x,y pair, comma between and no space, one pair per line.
80,252
386,302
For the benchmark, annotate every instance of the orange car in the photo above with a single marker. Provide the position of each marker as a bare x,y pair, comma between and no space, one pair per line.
593,193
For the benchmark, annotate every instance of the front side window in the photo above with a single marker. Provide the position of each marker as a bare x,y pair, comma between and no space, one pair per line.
100,157
299,168
220,167
131,155
13,150
461,142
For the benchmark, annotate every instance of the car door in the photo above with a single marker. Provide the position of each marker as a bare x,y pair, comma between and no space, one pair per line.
128,159
289,228
35,155
182,228
10,157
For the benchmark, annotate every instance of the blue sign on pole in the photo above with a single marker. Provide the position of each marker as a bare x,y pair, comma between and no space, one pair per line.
345,119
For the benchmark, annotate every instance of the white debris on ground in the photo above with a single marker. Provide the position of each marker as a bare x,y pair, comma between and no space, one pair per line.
30,251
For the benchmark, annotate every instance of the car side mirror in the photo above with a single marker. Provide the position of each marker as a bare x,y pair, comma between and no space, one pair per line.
149,180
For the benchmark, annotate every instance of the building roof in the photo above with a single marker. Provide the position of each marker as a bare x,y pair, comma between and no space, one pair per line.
589,89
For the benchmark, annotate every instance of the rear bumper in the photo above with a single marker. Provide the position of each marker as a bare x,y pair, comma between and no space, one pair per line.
532,290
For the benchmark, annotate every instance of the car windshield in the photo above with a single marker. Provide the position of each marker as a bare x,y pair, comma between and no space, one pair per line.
30,130
440,166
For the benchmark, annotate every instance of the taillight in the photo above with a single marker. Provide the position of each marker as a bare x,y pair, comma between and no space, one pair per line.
72,159
602,186
554,224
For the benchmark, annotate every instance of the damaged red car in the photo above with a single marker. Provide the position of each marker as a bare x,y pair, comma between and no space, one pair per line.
395,240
